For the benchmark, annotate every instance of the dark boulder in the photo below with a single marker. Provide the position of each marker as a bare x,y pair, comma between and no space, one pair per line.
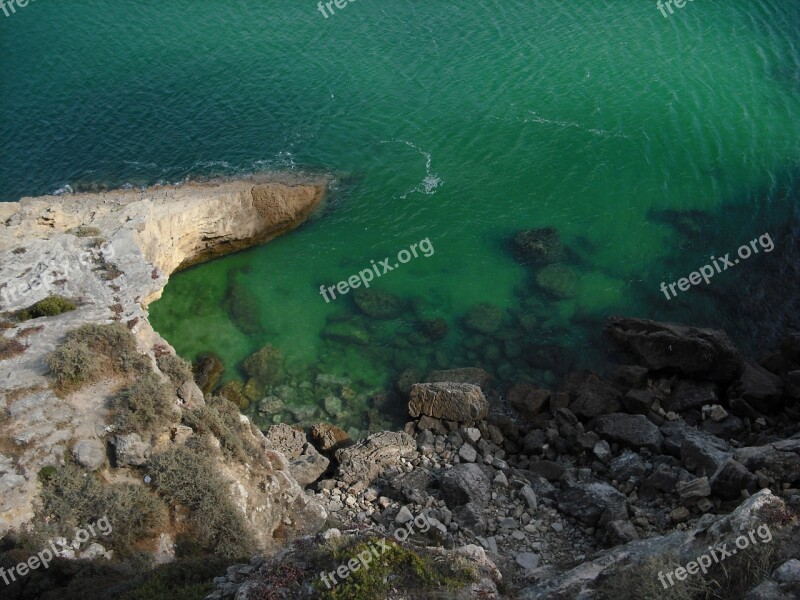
593,503
466,483
434,329
730,479
758,387
593,396
690,394
631,430
695,353
528,400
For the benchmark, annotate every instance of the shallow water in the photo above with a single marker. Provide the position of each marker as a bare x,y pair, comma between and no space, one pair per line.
650,144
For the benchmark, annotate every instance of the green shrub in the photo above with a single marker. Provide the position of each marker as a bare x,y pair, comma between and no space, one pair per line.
265,365
85,231
75,498
145,405
73,364
92,351
220,418
49,307
174,367
398,568
47,473
187,477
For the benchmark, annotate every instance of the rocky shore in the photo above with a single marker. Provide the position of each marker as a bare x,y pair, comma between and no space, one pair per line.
573,491
588,489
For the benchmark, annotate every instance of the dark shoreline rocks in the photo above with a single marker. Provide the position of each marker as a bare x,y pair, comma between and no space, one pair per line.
592,479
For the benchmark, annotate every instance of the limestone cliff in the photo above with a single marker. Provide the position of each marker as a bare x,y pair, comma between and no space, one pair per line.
113,253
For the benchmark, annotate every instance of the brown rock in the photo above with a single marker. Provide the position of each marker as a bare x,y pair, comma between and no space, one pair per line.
328,437
461,402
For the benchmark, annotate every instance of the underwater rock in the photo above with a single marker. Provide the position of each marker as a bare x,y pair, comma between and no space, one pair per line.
346,332
265,365
483,318
559,280
270,405
546,356
208,369
434,329
333,405
406,379
537,246
242,307
377,304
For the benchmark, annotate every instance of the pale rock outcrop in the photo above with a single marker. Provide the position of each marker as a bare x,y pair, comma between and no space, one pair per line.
113,271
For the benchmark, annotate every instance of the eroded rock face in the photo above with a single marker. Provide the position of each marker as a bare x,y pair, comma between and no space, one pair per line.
461,402
693,352
366,459
305,463
148,235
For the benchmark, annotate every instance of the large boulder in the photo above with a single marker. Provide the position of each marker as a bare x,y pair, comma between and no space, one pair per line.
593,503
377,304
779,461
305,464
731,479
91,454
700,452
208,369
690,351
308,466
366,459
466,483
328,437
593,396
286,439
758,387
461,402
130,450
690,394
632,430
527,399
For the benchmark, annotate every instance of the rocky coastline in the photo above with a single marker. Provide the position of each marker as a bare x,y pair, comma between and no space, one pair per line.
685,445
586,490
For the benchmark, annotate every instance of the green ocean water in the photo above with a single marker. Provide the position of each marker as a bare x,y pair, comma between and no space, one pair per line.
648,143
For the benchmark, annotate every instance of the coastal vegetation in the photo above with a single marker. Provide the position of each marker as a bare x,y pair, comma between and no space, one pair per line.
93,351
48,307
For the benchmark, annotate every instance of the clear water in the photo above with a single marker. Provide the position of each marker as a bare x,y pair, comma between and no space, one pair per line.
648,143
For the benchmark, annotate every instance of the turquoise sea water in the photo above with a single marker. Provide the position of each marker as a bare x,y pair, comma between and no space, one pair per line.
650,144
